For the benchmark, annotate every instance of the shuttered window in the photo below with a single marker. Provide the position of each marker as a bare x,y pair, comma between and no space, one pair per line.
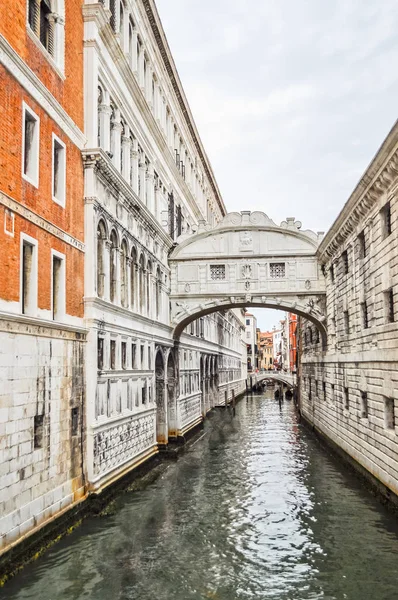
40,23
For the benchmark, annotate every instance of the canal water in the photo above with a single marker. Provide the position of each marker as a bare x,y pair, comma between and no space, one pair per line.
255,509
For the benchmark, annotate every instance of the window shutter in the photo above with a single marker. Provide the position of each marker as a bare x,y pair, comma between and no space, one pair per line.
34,16
50,37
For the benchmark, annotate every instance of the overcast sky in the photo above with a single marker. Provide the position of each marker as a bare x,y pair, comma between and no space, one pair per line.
292,98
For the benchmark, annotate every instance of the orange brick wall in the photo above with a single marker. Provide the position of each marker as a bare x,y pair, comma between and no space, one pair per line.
69,93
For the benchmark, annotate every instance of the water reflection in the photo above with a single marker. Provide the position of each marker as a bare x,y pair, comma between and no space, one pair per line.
255,509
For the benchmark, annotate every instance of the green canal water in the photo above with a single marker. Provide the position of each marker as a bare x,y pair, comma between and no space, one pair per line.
255,509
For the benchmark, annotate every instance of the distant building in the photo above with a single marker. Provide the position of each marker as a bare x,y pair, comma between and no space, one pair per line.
266,350
251,341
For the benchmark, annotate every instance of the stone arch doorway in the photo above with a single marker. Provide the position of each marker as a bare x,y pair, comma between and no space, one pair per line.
171,383
161,415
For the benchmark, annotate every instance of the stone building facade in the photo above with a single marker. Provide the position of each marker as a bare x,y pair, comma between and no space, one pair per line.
102,170
42,334
349,388
147,182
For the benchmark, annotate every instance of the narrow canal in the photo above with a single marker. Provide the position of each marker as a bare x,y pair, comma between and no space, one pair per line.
255,509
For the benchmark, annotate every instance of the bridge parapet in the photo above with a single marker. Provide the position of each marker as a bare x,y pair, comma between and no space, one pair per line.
247,260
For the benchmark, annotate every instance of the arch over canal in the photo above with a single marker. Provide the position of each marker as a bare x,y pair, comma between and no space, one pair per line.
247,261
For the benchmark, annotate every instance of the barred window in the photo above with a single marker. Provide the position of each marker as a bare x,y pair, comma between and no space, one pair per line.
217,272
277,270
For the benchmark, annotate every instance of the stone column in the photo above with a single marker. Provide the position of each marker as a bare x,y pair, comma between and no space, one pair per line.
157,200
134,166
133,52
142,178
126,154
150,188
148,85
116,133
91,96
107,264
141,78
104,115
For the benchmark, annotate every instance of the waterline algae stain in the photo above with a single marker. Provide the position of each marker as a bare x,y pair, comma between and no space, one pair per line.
255,508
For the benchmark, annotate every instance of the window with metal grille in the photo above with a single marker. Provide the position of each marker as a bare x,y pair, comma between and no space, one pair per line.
362,244
346,399
389,305
75,420
171,215
277,270
364,405
178,220
217,272
113,354
389,413
365,314
344,258
385,215
38,431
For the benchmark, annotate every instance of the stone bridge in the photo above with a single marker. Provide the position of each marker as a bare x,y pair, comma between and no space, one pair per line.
247,261
287,378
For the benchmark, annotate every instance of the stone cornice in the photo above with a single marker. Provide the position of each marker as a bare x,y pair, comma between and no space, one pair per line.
39,221
377,181
40,327
157,29
97,158
38,91
135,90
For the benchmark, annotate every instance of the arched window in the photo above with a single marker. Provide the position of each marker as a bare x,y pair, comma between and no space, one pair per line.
158,291
133,283
142,284
113,264
101,237
124,274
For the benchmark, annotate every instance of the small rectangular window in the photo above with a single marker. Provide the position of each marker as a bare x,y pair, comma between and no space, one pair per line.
389,413
346,399
30,150
217,272
365,315
38,431
113,354
362,244
142,356
143,396
75,420
332,391
331,270
364,405
59,171
28,278
58,288
346,321
100,353
324,389
277,270
385,216
389,306
344,258
124,355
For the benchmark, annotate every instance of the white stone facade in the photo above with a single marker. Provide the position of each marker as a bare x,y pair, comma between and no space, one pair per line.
350,391
147,182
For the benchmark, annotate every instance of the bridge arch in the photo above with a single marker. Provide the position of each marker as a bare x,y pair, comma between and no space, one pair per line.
247,261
